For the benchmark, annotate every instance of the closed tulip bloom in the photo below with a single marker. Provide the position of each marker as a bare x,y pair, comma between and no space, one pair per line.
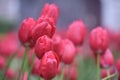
24,33
106,60
44,26
98,40
49,65
43,45
67,51
76,32
56,42
50,10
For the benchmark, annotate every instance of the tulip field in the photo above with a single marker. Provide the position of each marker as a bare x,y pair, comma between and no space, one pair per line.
41,51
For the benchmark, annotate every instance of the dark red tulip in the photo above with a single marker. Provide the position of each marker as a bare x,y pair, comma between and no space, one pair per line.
50,10
43,45
44,26
67,51
49,65
98,40
106,59
25,32
76,32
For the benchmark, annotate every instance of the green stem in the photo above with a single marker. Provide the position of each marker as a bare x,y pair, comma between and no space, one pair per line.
7,66
108,73
62,75
30,69
110,76
39,78
23,63
98,66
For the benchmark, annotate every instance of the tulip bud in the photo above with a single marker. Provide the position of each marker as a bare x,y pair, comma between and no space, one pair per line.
25,32
56,43
50,10
98,40
67,51
49,65
44,26
107,60
76,32
42,45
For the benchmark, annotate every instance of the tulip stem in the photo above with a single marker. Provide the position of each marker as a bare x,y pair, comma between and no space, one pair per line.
110,76
108,73
30,69
62,75
23,63
98,66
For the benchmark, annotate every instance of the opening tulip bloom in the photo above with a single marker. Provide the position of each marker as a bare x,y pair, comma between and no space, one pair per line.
67,51
98,40
49,65
43,45
76,32
50,10
44,26
24,33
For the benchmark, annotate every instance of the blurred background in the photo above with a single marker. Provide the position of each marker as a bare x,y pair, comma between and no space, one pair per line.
92,12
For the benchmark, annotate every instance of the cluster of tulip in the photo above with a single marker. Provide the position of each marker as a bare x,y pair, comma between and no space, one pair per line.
48,54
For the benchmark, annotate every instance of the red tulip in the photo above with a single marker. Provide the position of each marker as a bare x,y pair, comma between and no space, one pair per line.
107,60
56,43
42,45
76,32
25,32
49,65
67,51
44,26
8,45
50,10
98,40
